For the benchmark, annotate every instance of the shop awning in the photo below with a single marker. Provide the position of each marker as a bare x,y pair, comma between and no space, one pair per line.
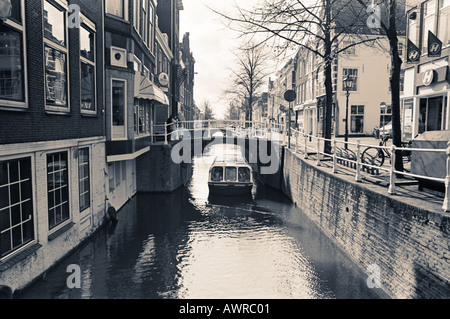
148,90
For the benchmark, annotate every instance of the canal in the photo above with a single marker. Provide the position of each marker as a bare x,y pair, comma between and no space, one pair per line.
187,244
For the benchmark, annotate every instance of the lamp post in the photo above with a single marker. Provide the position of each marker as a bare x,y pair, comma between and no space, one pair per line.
348,83
383,110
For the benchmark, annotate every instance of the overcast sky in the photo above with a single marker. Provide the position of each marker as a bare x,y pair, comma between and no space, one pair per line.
210,44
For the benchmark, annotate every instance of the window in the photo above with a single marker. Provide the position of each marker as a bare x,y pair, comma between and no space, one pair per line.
357,119
230,174
12,54
217,174
429,22
244,175
87,69
16,205
352,73
151,29
84,180
116,8
431,114
141,116
55,48
118,109
57,188
348,51
385,115
143,14
413,29
443,31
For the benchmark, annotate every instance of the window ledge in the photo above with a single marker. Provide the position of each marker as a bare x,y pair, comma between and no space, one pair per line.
52,112
16,258
86,114
60,231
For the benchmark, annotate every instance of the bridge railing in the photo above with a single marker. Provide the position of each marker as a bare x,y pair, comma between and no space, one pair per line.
341,151
316,147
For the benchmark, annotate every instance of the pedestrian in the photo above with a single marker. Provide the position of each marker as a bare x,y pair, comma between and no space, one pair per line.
169,124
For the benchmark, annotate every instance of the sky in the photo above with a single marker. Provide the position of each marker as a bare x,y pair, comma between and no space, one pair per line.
210,43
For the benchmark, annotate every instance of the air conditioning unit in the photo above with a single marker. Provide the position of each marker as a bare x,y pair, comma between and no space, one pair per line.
119,57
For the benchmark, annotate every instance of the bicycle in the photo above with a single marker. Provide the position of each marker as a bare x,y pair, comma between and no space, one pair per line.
376,156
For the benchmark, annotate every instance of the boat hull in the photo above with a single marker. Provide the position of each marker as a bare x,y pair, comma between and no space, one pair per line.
230,189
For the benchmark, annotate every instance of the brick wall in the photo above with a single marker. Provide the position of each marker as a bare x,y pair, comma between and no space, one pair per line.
156,172
35,124
410,245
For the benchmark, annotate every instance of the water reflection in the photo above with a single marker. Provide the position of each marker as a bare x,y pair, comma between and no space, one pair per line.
188,244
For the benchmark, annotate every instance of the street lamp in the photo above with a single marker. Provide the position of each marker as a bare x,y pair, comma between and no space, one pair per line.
383,110
348,84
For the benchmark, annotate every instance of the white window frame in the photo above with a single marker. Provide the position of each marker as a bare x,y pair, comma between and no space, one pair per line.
10,104
90,26
124,138
33,200
65,50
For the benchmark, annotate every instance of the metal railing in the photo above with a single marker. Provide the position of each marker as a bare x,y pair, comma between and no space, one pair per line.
299,141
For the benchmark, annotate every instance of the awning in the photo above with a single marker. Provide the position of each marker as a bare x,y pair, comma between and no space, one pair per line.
148,90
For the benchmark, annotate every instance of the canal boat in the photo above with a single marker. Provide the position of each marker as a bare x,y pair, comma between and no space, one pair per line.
230,175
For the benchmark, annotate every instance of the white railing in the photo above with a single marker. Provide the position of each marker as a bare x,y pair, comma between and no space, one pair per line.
299,141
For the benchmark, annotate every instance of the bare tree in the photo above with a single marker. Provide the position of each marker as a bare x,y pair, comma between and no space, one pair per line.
207,110
248,76
316,25
388,14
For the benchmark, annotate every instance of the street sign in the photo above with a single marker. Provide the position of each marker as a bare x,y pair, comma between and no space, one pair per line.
290,95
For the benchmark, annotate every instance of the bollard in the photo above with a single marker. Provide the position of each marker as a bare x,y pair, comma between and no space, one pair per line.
318,152
391,189
296,142
334,157
358,161
446,205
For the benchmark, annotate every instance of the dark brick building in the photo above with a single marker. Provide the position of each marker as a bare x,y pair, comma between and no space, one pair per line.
52,146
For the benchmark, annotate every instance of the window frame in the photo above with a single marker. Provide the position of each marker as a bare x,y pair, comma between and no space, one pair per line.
23,246
90,27
62,6
56,227
124,11
6,104
357,114
125,111
84,208
355,83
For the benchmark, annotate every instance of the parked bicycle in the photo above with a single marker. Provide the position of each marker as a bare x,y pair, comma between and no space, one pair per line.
376,156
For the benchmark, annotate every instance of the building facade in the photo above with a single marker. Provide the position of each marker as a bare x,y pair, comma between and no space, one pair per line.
369,68
168,12
130,91
425,102
52,145
187,86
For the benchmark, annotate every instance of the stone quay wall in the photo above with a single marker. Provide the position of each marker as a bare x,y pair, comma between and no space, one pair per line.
410,245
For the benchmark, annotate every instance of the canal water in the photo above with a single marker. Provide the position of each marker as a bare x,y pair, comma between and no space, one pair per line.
189,245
